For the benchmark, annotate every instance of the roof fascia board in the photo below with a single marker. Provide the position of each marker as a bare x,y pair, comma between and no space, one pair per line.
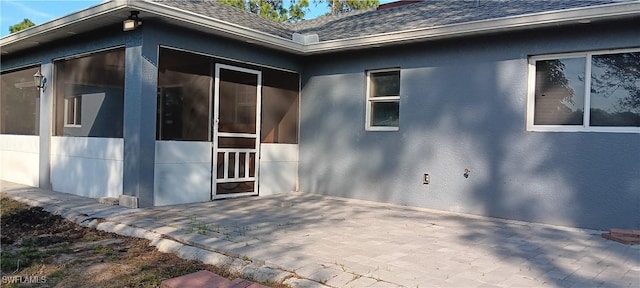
478,27
58,23
230,29
377,40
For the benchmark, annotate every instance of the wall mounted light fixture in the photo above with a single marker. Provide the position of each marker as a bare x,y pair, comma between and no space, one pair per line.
39,80
132,22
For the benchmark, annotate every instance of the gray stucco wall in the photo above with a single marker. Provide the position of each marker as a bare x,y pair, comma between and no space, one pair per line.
463,105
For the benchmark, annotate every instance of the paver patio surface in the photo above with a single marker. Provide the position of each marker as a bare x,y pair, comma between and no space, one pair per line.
341,242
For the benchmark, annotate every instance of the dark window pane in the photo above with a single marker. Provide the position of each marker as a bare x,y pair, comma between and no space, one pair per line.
73,115
384,84
252,164
385,114
70,106
279,107
235,187
232,165
93,89
184,89
19,103
220,165
559,92
238,102
242,161
236,142
78,112
615,90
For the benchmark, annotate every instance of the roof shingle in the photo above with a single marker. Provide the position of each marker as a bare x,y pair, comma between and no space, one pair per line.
429,13
213,9
425,14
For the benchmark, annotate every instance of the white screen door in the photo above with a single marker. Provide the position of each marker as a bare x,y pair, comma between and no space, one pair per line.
236,132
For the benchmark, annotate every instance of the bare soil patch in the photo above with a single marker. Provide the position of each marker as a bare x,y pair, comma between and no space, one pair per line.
39,249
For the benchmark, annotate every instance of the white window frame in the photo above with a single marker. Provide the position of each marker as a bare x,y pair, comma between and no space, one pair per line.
75,112
585,127
371,100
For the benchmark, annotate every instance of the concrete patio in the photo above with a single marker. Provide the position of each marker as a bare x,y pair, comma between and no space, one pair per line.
318,241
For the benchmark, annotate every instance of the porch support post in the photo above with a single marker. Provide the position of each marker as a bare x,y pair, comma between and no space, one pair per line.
44,126
140,96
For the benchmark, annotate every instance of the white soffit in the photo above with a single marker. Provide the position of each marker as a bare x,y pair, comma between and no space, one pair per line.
114,12
212,25
99,16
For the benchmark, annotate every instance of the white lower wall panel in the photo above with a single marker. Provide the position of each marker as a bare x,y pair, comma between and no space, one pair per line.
20,159
278,168
85,166
182,172
277,177
279,152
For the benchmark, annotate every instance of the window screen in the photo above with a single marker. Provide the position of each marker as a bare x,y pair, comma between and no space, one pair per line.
279,107
89,95
184,93
19,103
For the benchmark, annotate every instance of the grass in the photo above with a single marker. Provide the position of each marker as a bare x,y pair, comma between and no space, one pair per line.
12,261
91,238
196,226
106,251
27,255
341,266
11,207
56,274
144,268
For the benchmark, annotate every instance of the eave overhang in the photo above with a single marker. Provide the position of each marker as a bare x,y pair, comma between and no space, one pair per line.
574,16
114,12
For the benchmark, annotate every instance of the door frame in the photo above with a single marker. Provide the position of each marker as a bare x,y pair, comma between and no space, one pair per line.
215,133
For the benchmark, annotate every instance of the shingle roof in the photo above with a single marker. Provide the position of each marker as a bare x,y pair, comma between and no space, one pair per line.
430,13
214,9
425,14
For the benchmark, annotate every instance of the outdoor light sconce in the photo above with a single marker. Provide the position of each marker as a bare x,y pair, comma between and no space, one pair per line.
132,22
39,80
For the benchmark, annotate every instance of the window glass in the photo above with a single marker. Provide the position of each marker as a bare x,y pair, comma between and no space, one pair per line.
89,95
385,114
559,92
383,100
73,115
19,103
184,87
385,84
562,102
615,90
